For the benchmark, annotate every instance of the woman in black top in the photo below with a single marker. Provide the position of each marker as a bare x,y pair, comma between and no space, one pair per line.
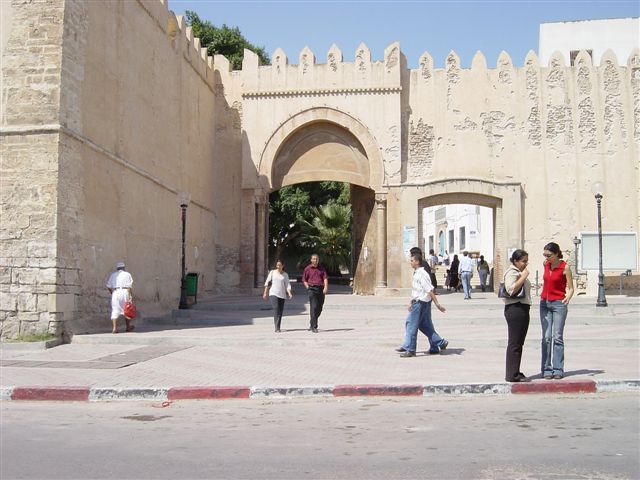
454,281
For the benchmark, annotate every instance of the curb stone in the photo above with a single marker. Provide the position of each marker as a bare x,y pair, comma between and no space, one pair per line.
6,393
286,392
207,393
99,394
468,389
72,394
31,346
127,394
555,386
618,385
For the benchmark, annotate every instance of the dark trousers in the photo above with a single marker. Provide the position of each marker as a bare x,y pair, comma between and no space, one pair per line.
277,304
316,301
517,316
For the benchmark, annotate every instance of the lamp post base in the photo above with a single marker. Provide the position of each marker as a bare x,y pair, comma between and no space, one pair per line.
602,299
184,305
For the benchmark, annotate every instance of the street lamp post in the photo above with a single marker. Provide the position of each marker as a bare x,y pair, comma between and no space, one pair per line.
184,199
576,243
598,189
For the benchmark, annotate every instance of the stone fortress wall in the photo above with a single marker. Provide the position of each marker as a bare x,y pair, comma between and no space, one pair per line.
527,141
111,108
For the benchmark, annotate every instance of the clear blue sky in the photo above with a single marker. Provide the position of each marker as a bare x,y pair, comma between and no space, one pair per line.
434,26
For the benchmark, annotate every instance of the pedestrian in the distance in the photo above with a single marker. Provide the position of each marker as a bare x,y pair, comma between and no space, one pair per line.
433,263
466,272
454,281
516,312
277,288
483,272
554,301
316,281
120,284
419,318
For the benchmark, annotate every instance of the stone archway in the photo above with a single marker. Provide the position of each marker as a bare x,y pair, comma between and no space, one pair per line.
325,144
504,198
315,120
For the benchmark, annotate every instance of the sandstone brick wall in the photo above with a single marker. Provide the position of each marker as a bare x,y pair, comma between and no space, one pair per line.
109,110
29,151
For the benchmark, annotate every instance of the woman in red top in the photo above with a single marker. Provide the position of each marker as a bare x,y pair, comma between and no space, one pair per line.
556,294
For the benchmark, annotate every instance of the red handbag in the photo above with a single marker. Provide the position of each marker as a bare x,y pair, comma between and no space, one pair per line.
130,310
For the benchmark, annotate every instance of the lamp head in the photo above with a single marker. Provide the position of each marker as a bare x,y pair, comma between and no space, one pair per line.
184,198
597,189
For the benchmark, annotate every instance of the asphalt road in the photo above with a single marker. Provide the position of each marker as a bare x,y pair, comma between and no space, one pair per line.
447,437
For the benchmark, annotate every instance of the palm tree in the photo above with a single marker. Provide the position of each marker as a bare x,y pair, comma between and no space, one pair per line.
329,235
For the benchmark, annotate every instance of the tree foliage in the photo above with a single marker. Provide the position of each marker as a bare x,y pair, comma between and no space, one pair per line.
329,235
224,40
292,209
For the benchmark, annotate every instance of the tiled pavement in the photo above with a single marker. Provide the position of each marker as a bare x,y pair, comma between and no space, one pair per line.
229,341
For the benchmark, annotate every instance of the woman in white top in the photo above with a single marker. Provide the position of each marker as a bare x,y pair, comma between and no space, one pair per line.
276,287
516,312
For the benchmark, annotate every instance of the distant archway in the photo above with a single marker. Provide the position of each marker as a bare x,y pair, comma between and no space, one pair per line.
504,198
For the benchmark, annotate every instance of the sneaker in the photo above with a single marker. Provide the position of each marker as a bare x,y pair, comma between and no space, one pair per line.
444,344
314,330
401,349
434,352
547,376
408,354
558,376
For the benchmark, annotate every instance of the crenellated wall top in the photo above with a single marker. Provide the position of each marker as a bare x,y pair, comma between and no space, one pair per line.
365,75
181,37
334,76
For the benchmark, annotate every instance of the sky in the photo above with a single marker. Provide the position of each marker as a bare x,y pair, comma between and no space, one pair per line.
434,26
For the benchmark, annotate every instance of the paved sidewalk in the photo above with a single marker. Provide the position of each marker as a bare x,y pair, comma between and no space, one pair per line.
226,347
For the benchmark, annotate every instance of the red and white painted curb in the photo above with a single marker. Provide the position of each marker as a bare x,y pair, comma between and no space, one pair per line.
97,394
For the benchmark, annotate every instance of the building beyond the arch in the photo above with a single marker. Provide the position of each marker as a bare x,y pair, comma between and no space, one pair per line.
109,109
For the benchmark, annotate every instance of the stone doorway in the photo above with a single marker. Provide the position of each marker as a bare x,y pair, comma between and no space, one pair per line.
322,150
504,199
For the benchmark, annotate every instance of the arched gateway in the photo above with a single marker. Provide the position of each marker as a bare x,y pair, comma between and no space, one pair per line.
321,144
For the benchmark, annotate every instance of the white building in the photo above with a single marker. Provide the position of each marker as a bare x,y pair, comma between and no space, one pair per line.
458,227
621,35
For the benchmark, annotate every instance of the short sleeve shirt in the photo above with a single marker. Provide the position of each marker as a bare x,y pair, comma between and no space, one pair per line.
120,279
421,285
314,275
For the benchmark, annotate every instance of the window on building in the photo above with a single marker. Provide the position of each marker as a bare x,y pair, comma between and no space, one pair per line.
574,53
430,243
452,245
463,241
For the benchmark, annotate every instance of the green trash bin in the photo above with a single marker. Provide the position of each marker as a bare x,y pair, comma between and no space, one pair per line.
191,284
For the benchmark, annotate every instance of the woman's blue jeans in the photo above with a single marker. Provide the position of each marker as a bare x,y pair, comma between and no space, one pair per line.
553,314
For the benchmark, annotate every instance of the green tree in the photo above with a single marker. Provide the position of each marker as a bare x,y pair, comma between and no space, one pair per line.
291,207
329,234
224,40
